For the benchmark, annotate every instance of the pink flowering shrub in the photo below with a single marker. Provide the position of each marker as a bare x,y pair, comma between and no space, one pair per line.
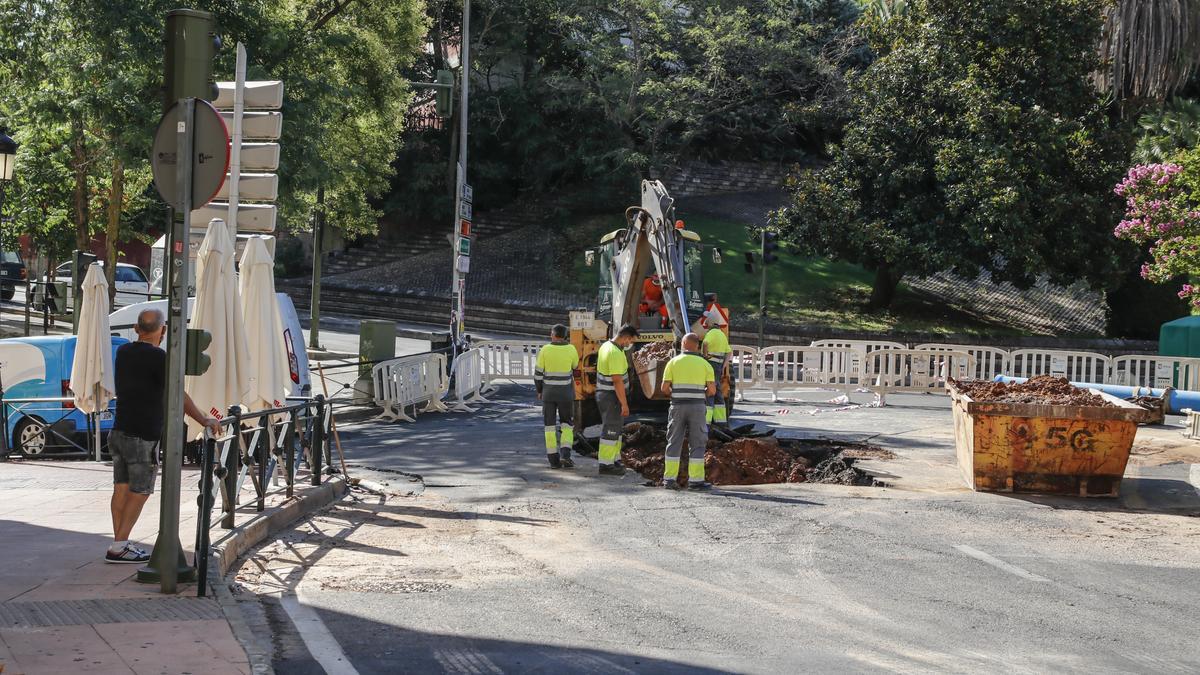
1162,211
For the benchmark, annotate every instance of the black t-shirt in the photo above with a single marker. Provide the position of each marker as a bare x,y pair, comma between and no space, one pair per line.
141,378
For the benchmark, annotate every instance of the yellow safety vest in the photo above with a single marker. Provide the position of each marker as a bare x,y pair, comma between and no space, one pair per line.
611,360
689,375
555,362
717,342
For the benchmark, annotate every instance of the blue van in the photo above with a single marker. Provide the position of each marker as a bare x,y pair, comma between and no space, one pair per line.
40,368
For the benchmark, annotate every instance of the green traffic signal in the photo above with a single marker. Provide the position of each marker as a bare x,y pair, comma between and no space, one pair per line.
769,246
191,45
197,362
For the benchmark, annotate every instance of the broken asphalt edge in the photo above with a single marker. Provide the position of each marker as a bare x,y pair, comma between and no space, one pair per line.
225,552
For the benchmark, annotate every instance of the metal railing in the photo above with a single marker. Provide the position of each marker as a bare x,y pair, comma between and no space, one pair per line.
261,446
47,413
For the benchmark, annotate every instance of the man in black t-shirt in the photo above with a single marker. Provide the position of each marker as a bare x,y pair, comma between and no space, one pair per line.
141,380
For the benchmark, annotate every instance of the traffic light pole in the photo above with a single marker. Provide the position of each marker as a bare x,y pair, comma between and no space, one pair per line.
457,304
167,565
762,289
314,304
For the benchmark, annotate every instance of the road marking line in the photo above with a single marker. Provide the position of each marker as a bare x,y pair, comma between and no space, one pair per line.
320,642
1000,564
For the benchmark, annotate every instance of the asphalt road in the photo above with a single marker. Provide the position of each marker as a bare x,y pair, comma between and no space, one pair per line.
497,564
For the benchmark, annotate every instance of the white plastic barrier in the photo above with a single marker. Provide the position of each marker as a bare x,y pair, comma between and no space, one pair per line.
859,350
468,381
408,382
744,368
510,360
1158,372
914,370
783,368
1075,366
989,361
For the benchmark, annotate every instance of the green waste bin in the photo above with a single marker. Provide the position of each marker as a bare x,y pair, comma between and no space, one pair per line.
1180,337
376,342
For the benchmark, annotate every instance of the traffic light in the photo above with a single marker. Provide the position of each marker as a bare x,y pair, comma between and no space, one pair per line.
769,246
191,45
445,93
197,362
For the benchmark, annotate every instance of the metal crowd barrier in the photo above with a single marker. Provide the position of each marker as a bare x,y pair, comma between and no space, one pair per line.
408,382
468,381
261,446
511,360
48,418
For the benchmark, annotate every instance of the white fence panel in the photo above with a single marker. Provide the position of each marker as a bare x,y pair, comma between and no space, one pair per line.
468,381
859,350
1158,372
408,382
1075,366
744,368
914,370
989,361
511,360
783,367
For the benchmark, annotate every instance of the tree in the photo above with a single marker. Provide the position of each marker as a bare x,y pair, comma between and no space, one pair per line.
975,143
1165,131
1150,48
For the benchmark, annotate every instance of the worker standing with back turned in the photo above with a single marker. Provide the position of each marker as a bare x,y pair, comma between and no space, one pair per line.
689,381
716,352
612,368
554,378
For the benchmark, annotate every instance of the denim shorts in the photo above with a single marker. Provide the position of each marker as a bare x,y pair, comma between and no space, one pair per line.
134,461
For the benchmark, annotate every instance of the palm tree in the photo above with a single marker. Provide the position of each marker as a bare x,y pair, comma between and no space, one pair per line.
883,9
1167,130
1150,48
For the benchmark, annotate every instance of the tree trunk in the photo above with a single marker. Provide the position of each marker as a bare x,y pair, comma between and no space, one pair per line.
887,278
79,167
116,196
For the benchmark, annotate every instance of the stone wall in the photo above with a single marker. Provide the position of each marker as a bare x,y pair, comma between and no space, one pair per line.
702,178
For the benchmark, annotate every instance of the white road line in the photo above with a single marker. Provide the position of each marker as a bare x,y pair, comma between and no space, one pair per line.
320,642
1000,564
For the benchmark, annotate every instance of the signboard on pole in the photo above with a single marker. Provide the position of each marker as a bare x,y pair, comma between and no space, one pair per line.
464,246
464,209
468,194
463,264
464,228
210,154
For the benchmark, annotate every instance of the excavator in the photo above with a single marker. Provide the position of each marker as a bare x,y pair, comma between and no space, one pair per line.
654,245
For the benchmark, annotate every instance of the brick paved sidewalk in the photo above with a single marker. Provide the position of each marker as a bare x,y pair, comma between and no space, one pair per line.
64,610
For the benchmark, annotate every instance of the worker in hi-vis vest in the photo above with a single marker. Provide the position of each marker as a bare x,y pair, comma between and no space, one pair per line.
716,352
688,380
555,382
612,370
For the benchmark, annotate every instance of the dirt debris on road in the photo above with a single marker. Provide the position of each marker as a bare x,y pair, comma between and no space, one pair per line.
753,461
647,358
1040,390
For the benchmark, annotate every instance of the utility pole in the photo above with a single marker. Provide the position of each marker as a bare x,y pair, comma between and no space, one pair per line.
457,288
762,291
314,328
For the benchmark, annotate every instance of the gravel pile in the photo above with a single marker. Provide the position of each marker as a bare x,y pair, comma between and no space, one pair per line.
1040,390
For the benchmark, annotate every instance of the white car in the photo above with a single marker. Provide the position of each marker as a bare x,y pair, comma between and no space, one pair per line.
131,283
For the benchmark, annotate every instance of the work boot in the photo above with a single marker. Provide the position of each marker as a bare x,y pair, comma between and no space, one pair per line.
565,457
699,486
671,484
555,462
612,470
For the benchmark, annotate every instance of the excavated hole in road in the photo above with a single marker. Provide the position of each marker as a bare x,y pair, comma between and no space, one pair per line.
755,461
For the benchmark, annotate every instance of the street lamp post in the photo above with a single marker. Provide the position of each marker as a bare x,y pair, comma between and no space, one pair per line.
8,160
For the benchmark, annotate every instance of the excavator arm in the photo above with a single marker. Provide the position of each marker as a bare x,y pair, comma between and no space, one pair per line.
650,244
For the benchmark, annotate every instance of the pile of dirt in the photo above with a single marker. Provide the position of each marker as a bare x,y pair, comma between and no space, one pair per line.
647,358
753,461
1040,390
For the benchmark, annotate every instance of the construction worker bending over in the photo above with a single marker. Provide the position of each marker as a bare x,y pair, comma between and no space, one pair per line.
612,369
688,380
716,352
555,382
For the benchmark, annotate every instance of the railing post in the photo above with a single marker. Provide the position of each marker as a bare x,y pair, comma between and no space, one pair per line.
231,468
289,451
205,520
318,441
262,453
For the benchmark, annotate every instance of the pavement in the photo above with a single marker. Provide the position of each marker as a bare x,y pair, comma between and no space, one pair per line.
64,610
484,560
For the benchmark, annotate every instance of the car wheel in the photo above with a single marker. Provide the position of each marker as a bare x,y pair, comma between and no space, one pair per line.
30,437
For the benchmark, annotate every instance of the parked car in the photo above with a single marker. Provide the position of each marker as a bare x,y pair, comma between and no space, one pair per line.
131,283
40,368
12,272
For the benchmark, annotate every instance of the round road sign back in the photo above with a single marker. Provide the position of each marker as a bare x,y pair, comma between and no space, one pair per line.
210,160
